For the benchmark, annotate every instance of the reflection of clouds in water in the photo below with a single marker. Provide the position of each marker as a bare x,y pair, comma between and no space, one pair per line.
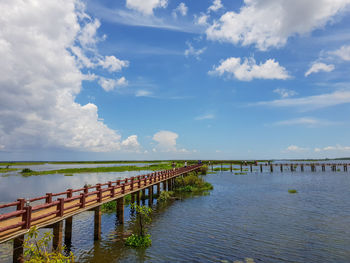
14,187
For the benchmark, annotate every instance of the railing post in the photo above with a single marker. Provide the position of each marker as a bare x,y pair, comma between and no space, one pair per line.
82,200
86,189
69,193
27,217
20,206
60,207
113,191
132,184
123,188
48,198
139,181
99,194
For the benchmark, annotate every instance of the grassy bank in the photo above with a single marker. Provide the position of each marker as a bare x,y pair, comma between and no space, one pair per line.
152,167
6,170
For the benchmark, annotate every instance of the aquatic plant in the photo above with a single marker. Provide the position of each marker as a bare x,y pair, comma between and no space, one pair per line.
191,183
140,238
35,250
109,207
27,170
292,191
165,196
68,174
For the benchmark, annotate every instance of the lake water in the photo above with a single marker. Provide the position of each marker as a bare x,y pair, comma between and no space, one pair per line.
245,216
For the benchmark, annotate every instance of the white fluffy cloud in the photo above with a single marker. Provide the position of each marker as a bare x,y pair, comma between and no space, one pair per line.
40,78
113,64
249,70
269,23
343,53
215,6
166,142
131,144
111,84
181,9
201,20
146,6
307,121
319,66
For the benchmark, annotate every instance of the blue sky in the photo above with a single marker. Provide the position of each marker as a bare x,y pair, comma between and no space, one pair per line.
163,79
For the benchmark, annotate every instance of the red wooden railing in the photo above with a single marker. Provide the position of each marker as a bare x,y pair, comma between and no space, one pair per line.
71,200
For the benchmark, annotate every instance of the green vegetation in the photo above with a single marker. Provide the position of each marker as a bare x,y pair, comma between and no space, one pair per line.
26,171
240,173
35,251
203,170
153,167
191,183
20,163
165,196
69,175
112,206
292,191
140,238
6,170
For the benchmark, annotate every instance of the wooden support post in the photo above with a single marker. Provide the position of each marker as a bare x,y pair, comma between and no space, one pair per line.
291,168
261,168
271,168
345,168
138,197
241,167
97,223
323,168
221,168
302,167
169,184
132,198
164,185
150,194
158,189
68,232
143,194
251,168
120,210
57,235
281,167
18,249
231,168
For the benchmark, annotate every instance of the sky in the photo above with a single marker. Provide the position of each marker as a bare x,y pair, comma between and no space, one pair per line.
174,79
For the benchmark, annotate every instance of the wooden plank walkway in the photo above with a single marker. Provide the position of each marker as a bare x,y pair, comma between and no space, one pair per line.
57,207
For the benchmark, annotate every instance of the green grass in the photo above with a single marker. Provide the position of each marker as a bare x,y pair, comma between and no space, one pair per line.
152,167
6,170
191,183
292,191
139,241
69,175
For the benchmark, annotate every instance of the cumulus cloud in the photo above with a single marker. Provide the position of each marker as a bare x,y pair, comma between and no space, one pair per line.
311,102
294,148
146,6
181,9
343,53
166,142
285,93
40,78
319,66
201,20
249,70
215,6
110,84
269,23
131,144
191,51
113,64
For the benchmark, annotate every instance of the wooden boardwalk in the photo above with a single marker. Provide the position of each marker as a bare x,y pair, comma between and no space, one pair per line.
53,208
